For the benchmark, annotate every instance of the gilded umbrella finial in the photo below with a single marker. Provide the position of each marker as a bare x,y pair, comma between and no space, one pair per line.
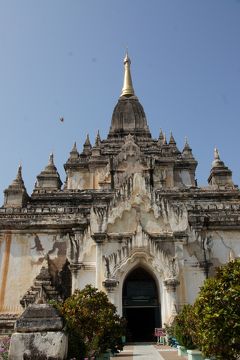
127,89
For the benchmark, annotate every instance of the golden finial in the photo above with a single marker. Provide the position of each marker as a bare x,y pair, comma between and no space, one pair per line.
127,89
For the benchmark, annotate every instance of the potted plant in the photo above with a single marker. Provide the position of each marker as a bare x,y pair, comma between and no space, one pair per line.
182,330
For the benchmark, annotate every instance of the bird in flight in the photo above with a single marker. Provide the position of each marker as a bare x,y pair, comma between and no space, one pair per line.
61,119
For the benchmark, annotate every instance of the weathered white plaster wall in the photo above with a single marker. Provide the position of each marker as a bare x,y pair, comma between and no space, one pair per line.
79,180
24,255
225,245
194,278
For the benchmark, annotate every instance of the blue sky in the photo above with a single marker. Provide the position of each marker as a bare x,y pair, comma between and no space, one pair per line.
64,58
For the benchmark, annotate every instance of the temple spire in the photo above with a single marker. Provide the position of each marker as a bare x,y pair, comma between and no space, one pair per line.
18,182
19,174
221,175
16,194
127,89
187,151
74,155
217,161
98,139
48,178
161,138
172,140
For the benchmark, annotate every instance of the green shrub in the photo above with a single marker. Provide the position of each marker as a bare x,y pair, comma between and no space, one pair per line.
4,347
217,314
182,326
92,322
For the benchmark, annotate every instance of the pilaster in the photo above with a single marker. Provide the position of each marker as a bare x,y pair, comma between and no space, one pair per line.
99,239
111,286
171,287
76,244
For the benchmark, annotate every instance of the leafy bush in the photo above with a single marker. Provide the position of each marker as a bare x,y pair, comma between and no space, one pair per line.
4,347
217,314
169,330
181,327
93,323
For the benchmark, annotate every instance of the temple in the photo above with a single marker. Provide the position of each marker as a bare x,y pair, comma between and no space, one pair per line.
129,219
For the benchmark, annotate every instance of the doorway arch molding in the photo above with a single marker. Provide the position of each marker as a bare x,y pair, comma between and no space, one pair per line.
146,261
142,247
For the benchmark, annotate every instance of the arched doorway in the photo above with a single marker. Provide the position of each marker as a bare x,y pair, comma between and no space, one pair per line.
140,305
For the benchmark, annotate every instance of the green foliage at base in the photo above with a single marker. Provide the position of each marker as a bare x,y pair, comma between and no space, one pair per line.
217,314
181,327
212,324
4,347
92,322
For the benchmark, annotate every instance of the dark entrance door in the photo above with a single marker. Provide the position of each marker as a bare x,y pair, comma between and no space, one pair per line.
140,306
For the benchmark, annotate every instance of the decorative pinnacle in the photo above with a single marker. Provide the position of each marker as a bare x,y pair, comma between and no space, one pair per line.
87,142
127,89
172,140
216,154
161,138
50,166
18,181
187,151
51,161
186,145
164,139
98,139
161,135
74,152
74,149
217,161
19,173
